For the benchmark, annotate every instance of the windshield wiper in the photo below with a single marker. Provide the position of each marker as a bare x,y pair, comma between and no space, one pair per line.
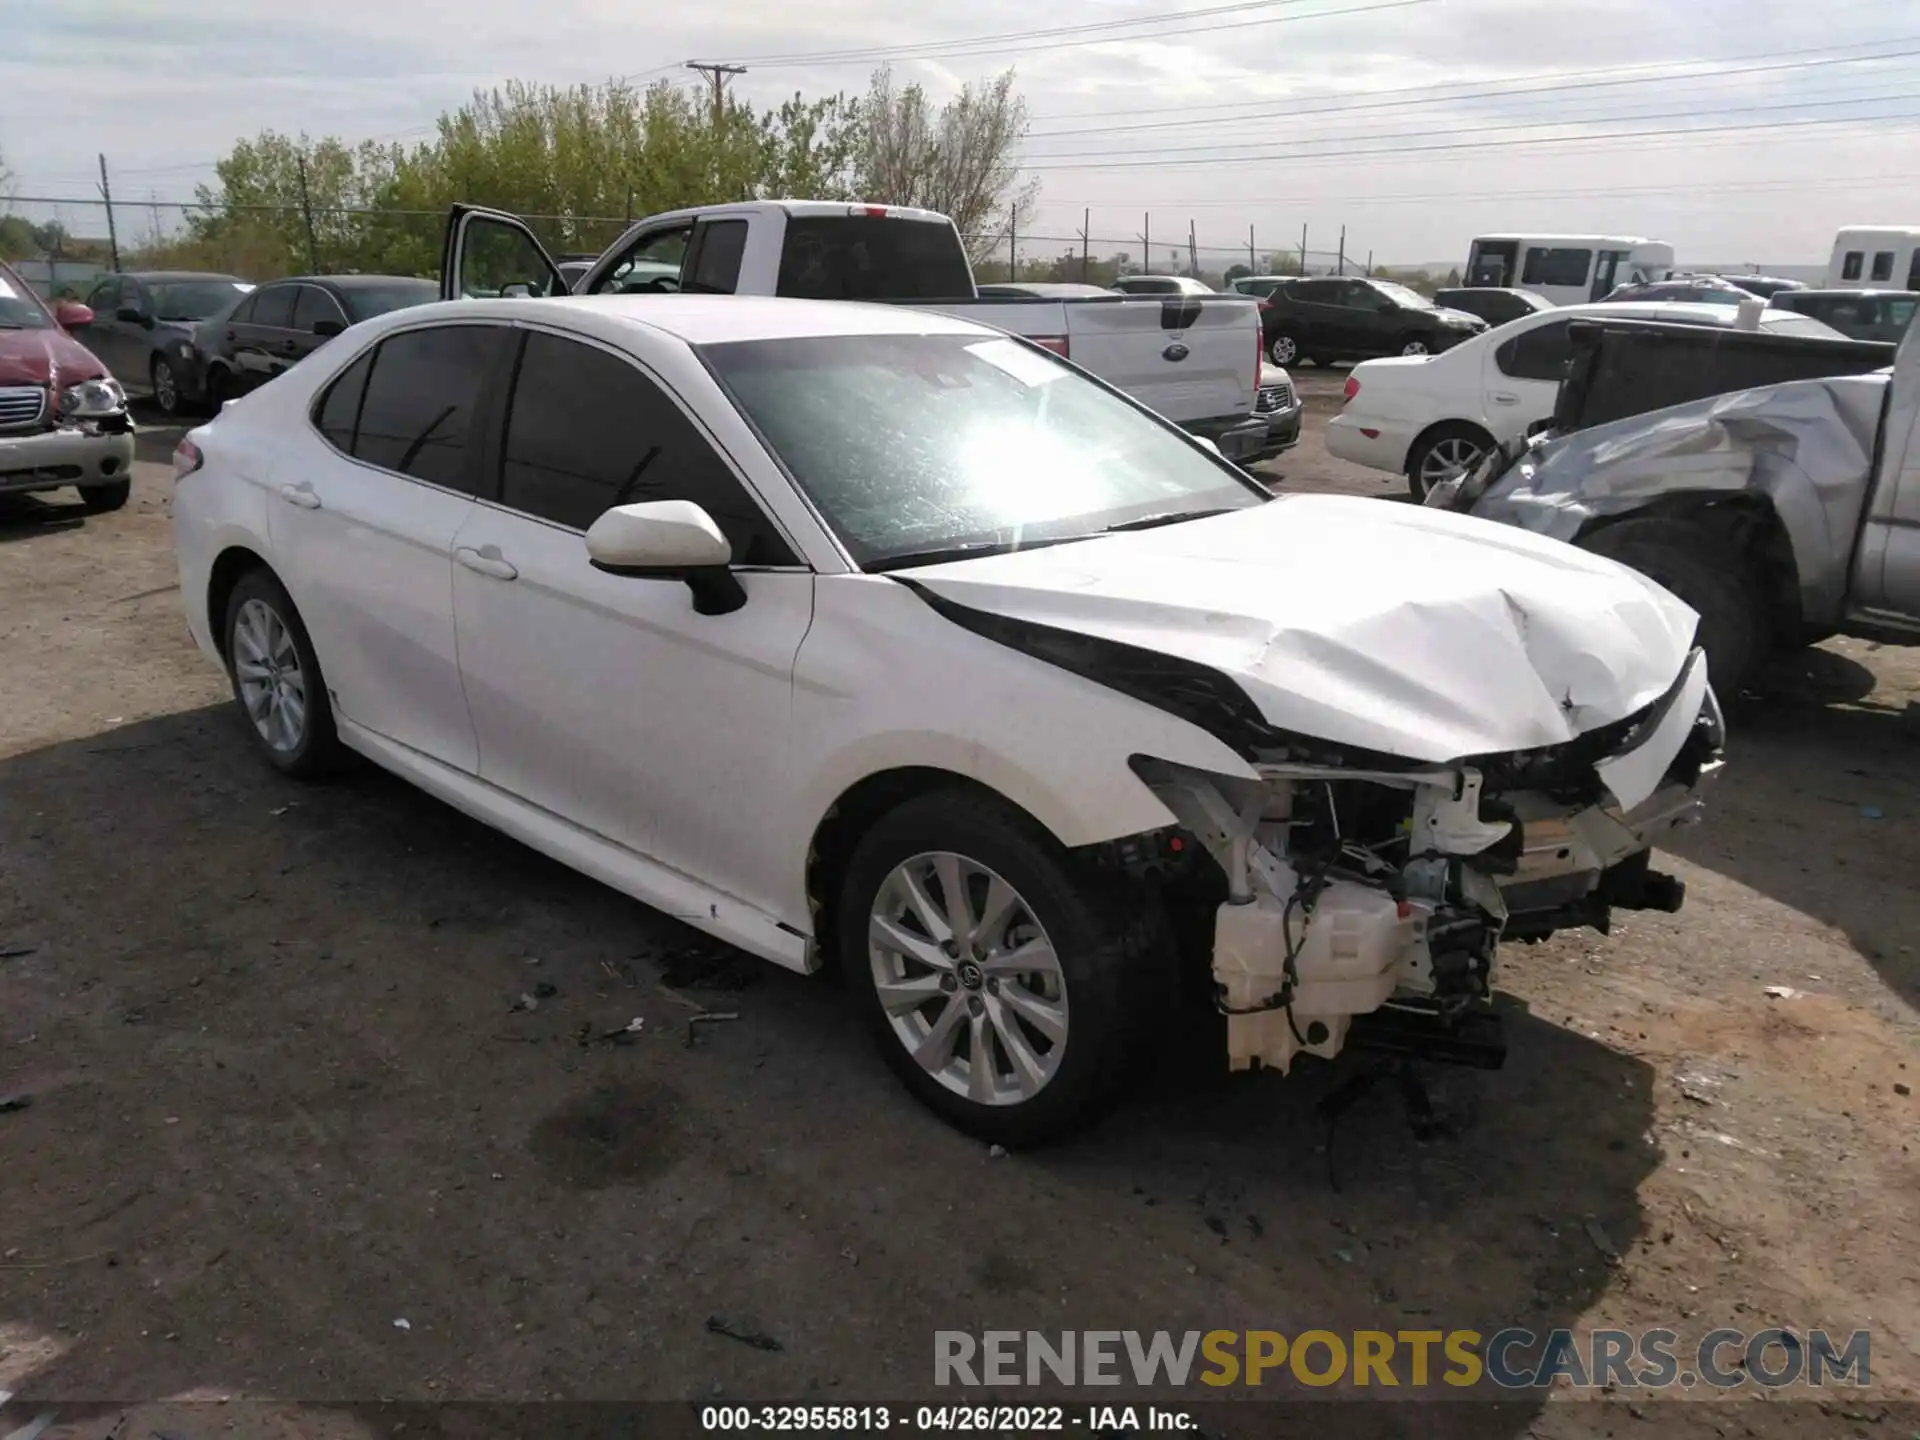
970,550
1168,517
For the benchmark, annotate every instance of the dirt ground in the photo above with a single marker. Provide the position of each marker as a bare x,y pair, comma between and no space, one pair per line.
281,1102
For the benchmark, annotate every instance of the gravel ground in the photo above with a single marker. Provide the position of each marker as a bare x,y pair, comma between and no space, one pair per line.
280,1104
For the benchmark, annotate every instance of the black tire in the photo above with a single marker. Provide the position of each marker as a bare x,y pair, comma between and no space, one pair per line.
1702,569
219,388
318,749
167,398
99,499
1106,946
1434,439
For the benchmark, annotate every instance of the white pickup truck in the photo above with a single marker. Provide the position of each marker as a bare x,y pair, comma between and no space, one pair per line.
1193,359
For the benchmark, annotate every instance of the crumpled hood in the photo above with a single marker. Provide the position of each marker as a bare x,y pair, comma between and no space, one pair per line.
1417,633
40,357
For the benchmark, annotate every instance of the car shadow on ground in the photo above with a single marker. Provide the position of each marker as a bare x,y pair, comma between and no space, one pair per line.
22,517
1812,740
305,1059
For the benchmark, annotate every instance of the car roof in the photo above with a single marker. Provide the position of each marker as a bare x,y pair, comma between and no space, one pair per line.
354,282
163,275
715,319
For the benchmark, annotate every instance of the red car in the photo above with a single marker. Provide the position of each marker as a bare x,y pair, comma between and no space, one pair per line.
63,418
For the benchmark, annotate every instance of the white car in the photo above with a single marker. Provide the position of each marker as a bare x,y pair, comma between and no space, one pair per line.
866,635
1432,417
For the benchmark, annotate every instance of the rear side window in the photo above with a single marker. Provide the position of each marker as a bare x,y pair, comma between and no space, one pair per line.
870,257
1882,265
1850,267
587,431
715,267
417,417
1541,353
273,306
1556,266
315,304
339,414
242,313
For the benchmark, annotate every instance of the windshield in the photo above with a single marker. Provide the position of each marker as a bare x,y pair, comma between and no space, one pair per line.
917,448
20,309
193,299
1402,296
366,301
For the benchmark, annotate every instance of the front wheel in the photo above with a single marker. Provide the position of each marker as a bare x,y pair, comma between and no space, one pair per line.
277,680
1414,345
1444,453
1284,350
166,387
1001,981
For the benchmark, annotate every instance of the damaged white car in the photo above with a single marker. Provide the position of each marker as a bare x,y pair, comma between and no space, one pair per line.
869,636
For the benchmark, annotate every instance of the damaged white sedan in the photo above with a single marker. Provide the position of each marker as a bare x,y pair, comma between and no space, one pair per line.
865,636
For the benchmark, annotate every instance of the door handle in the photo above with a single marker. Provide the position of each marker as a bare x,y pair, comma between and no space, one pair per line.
1504,397
301,495
487,560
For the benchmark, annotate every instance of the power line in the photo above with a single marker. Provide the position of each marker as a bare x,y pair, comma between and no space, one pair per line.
1402,102
1165,151
1273,157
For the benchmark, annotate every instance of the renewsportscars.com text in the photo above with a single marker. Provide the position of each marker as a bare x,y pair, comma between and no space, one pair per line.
1510,1359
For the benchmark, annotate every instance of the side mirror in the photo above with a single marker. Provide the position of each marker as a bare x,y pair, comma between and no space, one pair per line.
519,290
328,328
70,314
668,540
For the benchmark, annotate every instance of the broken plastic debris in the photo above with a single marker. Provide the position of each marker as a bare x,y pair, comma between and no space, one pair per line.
1602,1241
1872,812
1783,992
995,1152
716,1325
403,1323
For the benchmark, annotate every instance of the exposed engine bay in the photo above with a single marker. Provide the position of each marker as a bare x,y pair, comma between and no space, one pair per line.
1366,899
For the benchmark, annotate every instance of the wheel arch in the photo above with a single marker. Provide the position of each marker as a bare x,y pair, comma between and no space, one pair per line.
1749,524
226,571
1437,428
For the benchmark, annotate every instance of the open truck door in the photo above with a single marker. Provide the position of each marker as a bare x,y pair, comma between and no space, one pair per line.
491,253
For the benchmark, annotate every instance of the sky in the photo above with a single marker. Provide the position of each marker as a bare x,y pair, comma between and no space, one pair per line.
1744,133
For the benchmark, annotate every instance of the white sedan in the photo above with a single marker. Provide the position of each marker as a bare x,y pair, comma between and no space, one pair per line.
867,636
1432,417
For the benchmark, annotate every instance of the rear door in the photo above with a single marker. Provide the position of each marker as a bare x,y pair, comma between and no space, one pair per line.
262,343
489,252
317,318
1187,357
1521,378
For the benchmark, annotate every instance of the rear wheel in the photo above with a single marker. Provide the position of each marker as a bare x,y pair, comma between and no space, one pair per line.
1414,345
98,499
1702,569
1000,980
1442,453
166,387
276,678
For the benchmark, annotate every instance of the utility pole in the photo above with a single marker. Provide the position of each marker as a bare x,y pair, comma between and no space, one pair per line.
717,75
1252,264
1303,249
1013,244
1193,253
1146,243
1343,250
306,209
1086,242
1369,262
106,195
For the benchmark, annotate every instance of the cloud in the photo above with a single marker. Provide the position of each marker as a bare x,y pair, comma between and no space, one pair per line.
1386,122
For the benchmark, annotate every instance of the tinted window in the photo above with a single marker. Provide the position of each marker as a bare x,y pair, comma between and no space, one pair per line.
867,257
716,258
1913,270
1556,267
339,412
104,299
1882,265
273,306
1317,292
1850,267
588,431
366,301
418,414
242,313
315,304
193,299
1541,353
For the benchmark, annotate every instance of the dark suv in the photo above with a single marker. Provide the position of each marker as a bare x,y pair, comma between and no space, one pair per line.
1857,314
1333,318
1492,304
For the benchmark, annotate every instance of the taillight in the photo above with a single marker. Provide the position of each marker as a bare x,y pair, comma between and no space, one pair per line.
1056,343
1353,388
878,211
186,459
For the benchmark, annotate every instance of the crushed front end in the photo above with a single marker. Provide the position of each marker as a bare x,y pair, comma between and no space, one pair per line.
1366,897
53,435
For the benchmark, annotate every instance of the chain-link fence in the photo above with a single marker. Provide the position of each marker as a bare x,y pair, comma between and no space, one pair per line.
60,244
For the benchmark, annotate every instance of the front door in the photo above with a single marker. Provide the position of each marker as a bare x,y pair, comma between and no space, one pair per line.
363,518
491,253
604,699
261,332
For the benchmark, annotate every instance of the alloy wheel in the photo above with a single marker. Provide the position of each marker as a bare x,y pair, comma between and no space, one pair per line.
166,387
1414,347
266,666
969,980
1284,350
1448,458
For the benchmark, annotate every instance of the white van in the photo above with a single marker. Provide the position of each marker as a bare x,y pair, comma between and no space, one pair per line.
1875,257
1566,269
